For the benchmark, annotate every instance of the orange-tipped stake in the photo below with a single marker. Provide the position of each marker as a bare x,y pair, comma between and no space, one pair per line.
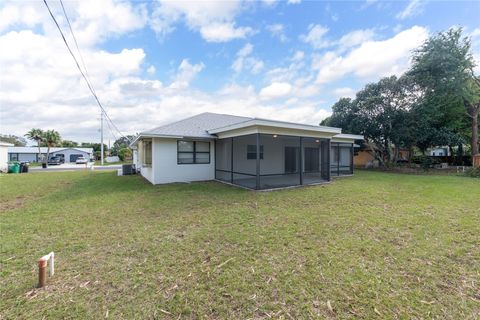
42,272
42,268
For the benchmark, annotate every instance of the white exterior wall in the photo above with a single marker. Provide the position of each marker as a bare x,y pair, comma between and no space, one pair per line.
164,160
273,161
31,157
3,158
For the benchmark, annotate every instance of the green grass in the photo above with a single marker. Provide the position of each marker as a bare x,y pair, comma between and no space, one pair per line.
377,245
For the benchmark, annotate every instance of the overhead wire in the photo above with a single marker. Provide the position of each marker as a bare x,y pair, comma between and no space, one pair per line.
89,85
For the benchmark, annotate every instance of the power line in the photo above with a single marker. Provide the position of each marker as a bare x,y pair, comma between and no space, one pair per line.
78,65
76,43
87,77
83,62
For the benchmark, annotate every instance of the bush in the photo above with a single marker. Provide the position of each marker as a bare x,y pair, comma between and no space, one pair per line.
426,162
125,154
473,172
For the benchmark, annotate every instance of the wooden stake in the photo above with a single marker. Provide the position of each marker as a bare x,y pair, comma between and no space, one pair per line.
42,272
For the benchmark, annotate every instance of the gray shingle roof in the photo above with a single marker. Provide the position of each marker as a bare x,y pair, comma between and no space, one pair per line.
196,126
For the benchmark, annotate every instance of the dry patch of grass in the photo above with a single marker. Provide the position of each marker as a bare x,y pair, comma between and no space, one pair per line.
376,245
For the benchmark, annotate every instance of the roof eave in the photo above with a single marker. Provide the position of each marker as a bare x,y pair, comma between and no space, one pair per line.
275,124
166,136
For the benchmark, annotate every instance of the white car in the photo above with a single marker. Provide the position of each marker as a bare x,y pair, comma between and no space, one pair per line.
81,160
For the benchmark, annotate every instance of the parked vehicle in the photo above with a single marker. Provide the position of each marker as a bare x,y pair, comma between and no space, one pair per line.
55,160
81,160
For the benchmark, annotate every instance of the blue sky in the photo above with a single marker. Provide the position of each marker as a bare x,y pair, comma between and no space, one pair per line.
155,62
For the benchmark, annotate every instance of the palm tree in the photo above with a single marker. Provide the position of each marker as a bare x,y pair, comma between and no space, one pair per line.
37,136
51,138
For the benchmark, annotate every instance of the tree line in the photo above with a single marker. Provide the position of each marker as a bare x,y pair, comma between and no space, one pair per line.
434,103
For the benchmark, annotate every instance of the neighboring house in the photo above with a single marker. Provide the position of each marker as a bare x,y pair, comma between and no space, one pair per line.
31,153
249,152
440,152
4,155
365,158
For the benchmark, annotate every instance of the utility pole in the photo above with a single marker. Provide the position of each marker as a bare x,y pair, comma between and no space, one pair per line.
101,136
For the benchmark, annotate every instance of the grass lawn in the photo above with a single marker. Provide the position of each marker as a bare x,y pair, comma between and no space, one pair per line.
377,245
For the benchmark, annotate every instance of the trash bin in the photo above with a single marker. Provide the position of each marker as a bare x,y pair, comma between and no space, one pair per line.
24,167
14,167
44,165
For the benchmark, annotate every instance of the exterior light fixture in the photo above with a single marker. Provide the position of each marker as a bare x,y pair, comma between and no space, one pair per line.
275,136
317,141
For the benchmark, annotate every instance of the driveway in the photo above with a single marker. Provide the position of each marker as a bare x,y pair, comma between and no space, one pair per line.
74,167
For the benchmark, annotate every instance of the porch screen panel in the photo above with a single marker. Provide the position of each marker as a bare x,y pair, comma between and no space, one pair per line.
334,159
345,158
223,163
280,166
312,158
244,163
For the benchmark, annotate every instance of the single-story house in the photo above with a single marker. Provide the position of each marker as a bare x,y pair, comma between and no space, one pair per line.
31,154
440,152
4,155
250,152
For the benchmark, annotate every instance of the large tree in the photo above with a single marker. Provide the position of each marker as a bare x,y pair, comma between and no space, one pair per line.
380,112
13,139
443,67
36,135
51,138
69,143
121,143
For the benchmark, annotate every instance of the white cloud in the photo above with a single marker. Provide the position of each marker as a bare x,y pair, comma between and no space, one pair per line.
41,87
186,73
276,90
270,3
278,31
245,62
294,1
373,59
414,8
13,15
316,36
223,32
92,20
344,92
151,70
215,21
298,56
354,38
475,33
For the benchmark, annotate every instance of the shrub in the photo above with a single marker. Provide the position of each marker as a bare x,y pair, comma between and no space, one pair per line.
125,154
473,172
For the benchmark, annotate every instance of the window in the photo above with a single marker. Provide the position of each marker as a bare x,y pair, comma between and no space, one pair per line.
147,153
193,152
252,152
13,156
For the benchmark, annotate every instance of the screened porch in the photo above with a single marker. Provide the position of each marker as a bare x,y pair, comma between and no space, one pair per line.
268,161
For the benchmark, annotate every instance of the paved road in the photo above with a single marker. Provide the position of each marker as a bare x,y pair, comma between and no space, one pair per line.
74,167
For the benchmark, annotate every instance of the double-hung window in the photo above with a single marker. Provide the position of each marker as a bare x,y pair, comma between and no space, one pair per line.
147,153
252,152
193,152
